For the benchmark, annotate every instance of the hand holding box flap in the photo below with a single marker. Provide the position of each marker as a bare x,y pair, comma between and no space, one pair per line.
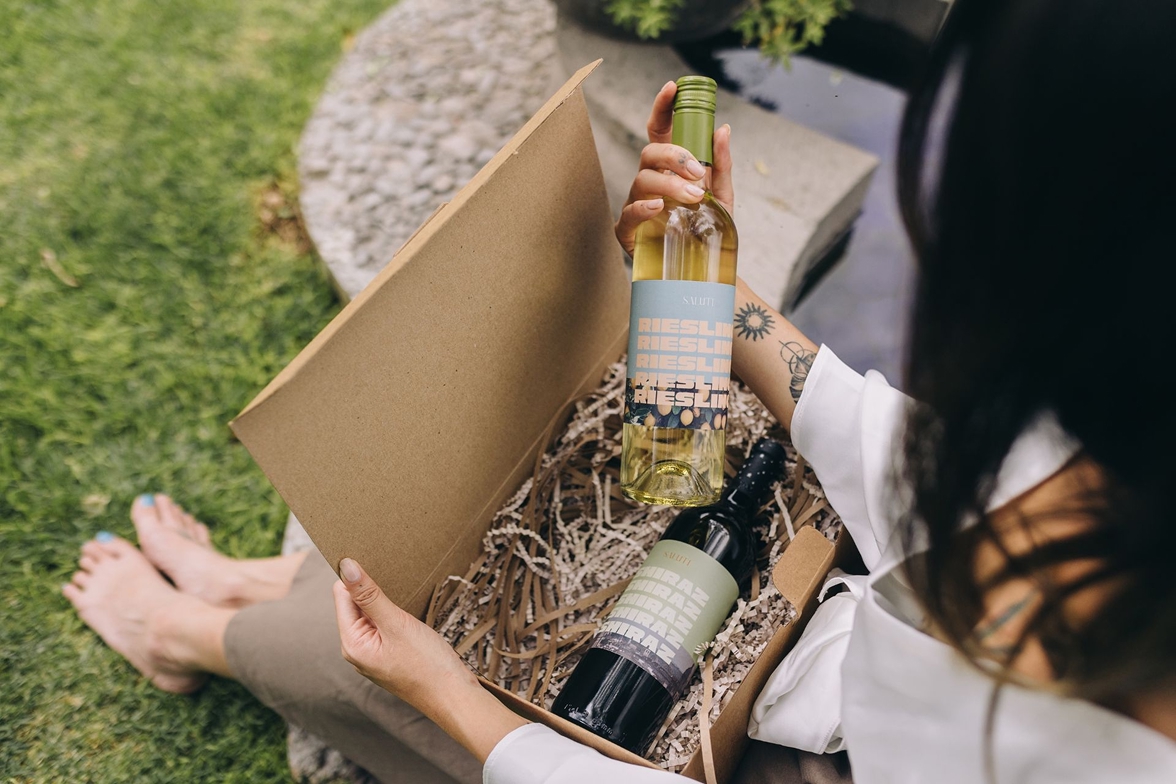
401,428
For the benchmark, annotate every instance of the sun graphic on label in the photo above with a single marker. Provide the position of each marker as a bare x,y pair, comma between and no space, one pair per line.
753,322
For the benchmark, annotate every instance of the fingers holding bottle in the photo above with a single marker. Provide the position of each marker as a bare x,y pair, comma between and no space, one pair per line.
721,184
661,116
633,215
651,184
665,157
666,171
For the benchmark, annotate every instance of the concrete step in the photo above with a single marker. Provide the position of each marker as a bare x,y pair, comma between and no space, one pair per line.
797,190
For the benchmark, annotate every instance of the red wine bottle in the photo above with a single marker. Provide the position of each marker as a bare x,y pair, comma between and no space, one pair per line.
643,657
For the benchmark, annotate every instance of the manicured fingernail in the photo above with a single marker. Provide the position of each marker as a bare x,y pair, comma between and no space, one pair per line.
103,537
696,169
728,127
694,190
350,570
147,499
654,204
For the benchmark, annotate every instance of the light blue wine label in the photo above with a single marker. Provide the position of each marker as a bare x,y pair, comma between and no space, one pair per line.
675,603
680,334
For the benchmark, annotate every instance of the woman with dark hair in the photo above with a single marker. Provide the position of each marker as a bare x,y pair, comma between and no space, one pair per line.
1018,623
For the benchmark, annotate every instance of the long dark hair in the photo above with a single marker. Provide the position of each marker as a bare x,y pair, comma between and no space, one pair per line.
1038,184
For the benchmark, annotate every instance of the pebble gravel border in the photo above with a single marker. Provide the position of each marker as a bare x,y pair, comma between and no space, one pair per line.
424,98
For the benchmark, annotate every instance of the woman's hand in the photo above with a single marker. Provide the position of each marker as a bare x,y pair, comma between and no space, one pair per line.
669,171
405,657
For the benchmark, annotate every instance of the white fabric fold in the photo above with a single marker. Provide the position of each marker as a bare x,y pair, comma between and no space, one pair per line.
800,705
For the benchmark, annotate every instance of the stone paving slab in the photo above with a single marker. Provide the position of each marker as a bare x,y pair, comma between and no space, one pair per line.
797,190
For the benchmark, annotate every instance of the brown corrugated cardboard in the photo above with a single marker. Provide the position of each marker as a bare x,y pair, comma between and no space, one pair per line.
399,430
421,406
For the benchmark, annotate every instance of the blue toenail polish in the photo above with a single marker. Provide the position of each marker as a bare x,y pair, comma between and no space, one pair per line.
147,499
103,537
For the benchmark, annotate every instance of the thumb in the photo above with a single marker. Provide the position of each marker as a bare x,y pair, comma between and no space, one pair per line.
368,596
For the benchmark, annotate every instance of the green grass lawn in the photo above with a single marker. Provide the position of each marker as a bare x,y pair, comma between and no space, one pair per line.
151,282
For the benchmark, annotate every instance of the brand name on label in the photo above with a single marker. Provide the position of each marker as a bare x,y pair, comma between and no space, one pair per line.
707,301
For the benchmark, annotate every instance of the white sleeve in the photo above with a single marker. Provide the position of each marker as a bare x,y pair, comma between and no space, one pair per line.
849,427
535,754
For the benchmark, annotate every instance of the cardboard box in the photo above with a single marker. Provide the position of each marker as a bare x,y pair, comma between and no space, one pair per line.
399,431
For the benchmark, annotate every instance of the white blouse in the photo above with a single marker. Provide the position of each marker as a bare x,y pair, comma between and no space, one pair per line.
863,676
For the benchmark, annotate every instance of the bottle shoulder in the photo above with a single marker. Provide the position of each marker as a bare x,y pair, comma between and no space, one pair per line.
687,242
720,533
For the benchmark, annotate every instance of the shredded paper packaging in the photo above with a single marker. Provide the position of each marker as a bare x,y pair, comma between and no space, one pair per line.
564,547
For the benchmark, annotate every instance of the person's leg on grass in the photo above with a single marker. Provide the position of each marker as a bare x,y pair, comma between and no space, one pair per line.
287,653
282,645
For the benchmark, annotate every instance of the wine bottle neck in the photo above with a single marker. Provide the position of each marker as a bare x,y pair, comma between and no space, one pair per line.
694,129
742,503
753,485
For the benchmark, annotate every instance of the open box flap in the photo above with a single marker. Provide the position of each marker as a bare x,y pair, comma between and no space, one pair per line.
403,426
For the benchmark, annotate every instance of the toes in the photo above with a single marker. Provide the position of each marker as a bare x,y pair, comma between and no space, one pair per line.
117,547
88,563
72,592
202,535
94,551
170,513
190,526
81,579
145,511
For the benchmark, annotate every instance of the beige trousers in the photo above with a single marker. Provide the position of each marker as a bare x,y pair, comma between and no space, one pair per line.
286,652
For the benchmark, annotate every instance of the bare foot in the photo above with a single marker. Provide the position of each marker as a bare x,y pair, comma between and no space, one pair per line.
179,547
122,597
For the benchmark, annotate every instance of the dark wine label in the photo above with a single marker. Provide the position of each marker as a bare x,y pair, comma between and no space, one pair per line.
675,603
680,335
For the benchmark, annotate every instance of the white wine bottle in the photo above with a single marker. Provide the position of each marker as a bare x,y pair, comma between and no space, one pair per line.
680,332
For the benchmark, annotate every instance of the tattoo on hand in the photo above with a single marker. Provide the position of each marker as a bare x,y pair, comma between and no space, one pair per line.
800,361
753,322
